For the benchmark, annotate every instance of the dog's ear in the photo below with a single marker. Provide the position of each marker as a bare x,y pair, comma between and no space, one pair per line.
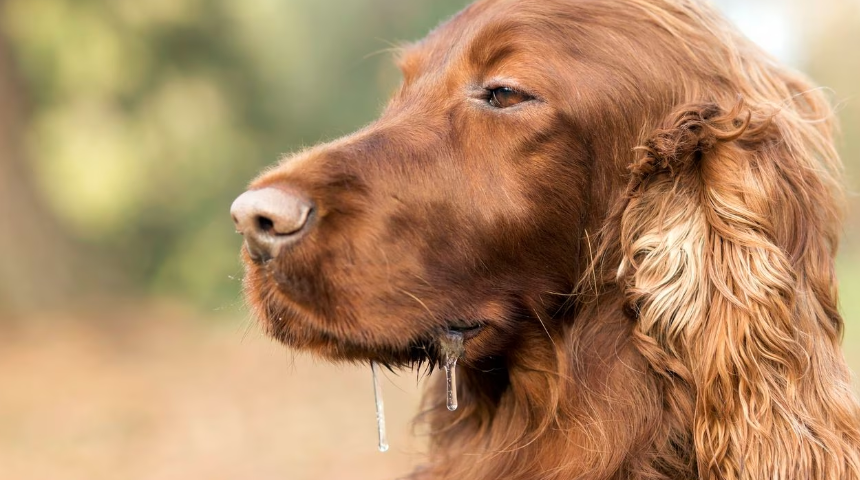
728,233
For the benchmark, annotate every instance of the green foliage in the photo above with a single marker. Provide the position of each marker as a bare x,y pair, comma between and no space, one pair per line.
849,306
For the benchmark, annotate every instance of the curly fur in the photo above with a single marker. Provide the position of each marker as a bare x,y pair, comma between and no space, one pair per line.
727,241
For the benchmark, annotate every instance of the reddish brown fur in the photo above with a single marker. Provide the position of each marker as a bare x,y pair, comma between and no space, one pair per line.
648,247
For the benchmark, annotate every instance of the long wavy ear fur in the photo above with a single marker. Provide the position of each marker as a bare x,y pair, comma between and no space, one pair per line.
728,233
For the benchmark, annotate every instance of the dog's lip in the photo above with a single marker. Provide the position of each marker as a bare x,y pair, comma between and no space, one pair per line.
469,330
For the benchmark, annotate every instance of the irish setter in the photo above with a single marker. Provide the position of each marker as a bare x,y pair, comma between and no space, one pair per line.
628,210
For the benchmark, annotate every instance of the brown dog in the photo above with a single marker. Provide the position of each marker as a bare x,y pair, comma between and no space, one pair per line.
630,213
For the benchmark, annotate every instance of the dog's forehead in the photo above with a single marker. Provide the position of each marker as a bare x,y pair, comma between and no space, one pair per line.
484,26
490,31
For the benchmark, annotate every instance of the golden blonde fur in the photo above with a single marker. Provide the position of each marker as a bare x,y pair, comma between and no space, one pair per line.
728,235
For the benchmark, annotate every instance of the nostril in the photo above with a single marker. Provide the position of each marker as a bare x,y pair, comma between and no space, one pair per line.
266,224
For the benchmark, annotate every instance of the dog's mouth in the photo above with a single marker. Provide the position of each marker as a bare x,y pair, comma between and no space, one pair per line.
428,352
421,351
469,330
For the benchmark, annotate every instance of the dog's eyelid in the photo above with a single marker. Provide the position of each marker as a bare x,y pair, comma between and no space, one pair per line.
507,83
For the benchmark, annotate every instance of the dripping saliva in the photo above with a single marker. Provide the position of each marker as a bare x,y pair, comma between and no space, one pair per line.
451,347
380,408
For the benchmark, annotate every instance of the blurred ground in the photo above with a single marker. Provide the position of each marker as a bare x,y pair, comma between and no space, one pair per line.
159,394
162,395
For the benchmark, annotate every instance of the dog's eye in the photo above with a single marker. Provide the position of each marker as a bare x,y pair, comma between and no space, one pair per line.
505,97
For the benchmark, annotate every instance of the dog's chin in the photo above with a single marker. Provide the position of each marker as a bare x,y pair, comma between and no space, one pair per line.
300,332
411,354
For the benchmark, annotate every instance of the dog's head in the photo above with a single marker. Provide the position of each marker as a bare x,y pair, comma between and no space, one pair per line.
462,207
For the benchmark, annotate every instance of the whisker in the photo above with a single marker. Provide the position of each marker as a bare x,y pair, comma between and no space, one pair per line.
411,295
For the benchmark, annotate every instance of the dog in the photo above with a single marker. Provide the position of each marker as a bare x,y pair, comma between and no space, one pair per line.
627,212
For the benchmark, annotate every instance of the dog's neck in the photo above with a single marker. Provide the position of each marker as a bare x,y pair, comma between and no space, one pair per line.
590,397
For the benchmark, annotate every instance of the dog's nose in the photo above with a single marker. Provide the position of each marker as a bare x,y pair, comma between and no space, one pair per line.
269,218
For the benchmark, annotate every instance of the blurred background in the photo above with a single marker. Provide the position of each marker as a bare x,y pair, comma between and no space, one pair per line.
127,127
